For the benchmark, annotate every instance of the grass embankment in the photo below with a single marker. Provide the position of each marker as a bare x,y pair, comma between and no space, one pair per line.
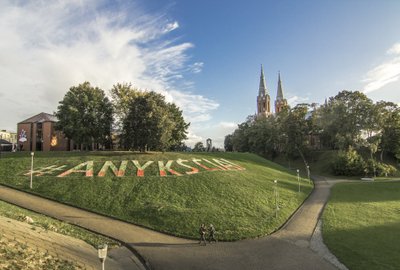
15,255
240,203
51,224
362,225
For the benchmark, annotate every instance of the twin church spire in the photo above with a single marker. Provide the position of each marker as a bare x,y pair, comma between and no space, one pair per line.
264,100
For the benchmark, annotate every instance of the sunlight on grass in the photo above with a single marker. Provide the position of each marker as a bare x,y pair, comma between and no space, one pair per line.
240,204
362,225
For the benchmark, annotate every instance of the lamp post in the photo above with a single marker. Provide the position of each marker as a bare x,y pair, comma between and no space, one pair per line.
276,198
298,178
102,252
32,154
308,174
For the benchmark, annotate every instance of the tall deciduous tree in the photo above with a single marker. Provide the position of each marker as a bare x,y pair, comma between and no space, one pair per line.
85,115
152,123
344,117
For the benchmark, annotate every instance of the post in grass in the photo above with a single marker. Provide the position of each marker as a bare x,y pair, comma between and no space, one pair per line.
298,178
276,198
32,154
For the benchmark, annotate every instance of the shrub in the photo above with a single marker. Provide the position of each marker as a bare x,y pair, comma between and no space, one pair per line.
348,163
381,169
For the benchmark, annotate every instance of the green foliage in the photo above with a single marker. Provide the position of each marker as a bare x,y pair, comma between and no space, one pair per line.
361,225
343,118
85,115
374,168
199,147
228,143
151,123
241,204
348,163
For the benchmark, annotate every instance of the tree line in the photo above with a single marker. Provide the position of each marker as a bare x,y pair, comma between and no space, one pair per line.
138,120
349,122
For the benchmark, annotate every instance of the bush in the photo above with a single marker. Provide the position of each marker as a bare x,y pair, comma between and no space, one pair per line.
348,163
381,169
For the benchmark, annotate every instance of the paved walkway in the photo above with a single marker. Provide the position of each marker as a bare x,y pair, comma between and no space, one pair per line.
286,249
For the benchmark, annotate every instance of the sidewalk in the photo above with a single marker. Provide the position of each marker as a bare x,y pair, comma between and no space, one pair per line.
286,249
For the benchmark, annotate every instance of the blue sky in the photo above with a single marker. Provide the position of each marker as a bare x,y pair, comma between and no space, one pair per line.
203,55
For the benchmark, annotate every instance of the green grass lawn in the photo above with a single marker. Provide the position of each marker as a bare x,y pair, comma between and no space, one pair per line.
361,225
240,203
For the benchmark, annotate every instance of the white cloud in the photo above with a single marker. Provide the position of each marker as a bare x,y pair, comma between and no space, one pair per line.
385,73
292,101
395,49
197,67
216,132
48,46
196,108
171,27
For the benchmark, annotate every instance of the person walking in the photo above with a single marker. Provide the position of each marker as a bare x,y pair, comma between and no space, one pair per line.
211,234
202,232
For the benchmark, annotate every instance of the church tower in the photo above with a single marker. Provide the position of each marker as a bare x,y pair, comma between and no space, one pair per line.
280,102
263,99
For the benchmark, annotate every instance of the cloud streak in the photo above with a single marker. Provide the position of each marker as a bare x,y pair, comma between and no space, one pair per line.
385,73
48,46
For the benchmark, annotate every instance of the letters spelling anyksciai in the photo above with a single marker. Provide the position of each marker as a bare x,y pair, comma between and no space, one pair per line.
163,168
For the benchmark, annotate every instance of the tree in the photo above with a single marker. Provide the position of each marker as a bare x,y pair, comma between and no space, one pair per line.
228,143
152,123
344,117
199,147
391,133
85,115
296,129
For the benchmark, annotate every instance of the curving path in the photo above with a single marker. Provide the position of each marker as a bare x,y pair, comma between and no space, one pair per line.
286,249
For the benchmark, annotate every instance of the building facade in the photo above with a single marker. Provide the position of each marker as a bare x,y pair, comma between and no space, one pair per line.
8,136
38,133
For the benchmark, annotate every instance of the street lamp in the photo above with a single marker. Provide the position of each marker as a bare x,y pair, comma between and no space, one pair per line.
308,173
298,178
276,198
32,154
102,252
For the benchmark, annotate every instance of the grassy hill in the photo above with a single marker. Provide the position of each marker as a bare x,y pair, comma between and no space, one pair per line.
240,203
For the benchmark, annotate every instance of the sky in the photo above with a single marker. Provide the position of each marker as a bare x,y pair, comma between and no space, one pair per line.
205,56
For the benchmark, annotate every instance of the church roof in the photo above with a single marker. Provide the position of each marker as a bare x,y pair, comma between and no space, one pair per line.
262,90
40,118
279,94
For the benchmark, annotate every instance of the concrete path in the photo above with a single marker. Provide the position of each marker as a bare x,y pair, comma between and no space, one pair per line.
286,249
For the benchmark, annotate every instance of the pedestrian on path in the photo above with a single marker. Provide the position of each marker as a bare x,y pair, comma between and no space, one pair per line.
202,232
211,234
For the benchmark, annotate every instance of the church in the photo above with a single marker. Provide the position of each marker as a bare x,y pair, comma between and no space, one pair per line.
264,99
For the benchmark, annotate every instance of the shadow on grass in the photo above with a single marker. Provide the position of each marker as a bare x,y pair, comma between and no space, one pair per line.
355,192
372,247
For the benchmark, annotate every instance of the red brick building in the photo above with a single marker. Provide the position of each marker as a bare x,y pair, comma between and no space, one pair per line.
38,133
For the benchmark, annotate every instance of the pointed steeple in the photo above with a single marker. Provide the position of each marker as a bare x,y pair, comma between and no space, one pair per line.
263,99
279,94
262,90
280,101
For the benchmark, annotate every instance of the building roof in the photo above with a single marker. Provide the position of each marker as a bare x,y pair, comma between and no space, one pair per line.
262,90
40,118
279,94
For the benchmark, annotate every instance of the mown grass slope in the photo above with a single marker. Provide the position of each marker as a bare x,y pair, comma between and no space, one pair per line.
361,225
240,203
